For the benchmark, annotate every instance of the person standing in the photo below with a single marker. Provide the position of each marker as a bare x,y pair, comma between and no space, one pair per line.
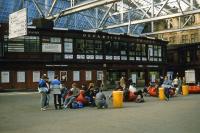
43,89
55,85
122,82
167,85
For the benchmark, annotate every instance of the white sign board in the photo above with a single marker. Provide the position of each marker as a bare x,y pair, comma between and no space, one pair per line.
68,47
50,75
36,76
18,23
76,75
190,76
88,75
5,77
21,77
49,47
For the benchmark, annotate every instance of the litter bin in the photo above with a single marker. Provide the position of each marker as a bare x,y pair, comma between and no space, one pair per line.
161,93
185,90
117,99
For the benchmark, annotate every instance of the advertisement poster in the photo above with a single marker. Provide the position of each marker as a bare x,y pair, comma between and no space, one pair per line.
50,75
5,77
76,75
88,75
21,77
63,75
99,75
36,76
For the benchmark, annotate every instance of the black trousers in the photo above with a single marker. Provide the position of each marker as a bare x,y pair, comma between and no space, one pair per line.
139,92
57,97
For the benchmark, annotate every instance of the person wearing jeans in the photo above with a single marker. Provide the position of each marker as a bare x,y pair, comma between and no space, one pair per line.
167,85
74,94
43,89
56,91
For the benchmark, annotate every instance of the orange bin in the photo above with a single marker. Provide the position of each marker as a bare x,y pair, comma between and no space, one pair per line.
185,90
161,93
117,99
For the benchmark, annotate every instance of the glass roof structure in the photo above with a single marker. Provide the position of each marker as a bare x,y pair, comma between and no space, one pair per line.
118,16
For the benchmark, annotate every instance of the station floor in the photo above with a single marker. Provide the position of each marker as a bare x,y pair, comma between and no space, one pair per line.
20,113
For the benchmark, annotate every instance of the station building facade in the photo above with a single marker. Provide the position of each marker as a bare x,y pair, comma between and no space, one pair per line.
78,56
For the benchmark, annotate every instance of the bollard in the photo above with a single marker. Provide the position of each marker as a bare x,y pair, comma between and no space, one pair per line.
117,99
185,90
161,93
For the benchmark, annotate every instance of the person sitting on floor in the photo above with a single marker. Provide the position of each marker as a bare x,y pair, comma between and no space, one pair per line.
136,92
100,100
74,94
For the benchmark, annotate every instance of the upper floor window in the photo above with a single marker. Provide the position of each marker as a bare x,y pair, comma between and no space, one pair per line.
68,45
32,44
98,47
184,38
80,47
194,37
89,46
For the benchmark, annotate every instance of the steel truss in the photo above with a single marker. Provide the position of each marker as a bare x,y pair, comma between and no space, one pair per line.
126,16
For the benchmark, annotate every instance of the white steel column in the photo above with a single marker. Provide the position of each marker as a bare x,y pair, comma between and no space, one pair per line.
152,15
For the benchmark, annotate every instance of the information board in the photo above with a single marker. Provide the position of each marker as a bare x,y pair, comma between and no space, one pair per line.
18,23
190,76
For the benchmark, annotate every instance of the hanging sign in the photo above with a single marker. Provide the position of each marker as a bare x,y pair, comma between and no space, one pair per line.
18,23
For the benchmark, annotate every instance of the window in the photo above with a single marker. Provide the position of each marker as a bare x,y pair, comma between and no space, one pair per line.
98,47
68,45
32,44
194,38
1,49
188,56
132,50
189,19
184,38
108,48
116,48
198,54
172,39
89,47
80,49
138,51
16,44
123,48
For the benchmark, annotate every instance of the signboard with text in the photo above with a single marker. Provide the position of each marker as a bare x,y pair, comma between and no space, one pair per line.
18,23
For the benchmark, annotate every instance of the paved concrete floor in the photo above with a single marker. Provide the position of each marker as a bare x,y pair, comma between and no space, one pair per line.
20,113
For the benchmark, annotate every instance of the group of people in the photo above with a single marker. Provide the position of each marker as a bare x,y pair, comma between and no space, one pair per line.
171,87
71,97
130,93
93,95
